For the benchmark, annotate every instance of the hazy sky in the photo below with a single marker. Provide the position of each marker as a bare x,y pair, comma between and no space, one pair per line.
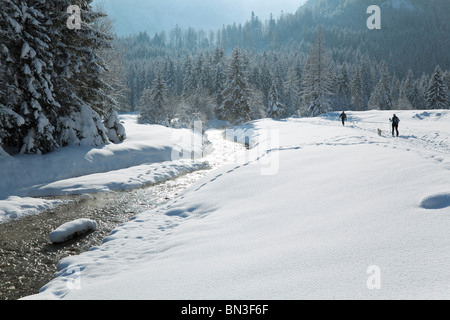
132,16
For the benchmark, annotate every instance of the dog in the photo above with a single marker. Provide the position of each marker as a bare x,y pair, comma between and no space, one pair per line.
380,133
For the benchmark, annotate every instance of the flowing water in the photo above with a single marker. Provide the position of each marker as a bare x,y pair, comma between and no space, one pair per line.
27,258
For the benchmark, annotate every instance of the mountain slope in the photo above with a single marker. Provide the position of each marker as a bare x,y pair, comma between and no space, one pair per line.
154,15
414,33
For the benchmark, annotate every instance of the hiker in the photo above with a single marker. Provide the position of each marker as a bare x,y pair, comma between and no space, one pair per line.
395,122
343,116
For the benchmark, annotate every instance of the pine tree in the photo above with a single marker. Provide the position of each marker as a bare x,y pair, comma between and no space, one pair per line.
236,107
197,73
437,91
317,80
170,77
10,119
410,91
57,78
254,78
343,89
291,92
275,109
357,91
447,81
407,86
79,74
219,78
133,93
219,84
415,98
381,97
422,87
115,78
367,79
189,83
206,77
395,87
153,103
278,78
265,81
219,55
28,63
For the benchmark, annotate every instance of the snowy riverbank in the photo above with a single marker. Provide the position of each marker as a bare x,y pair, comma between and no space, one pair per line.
150,154
312,217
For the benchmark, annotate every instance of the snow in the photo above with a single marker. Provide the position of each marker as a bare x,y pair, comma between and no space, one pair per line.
17,26
17,207
25,50
118,180
147,156
72,229
338,203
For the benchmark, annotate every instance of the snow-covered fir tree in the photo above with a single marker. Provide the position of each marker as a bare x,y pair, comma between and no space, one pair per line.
395,90
10,119
254,77
218,56
80,75
265,81
219,83
170,77
115,78
407,86
406,90
236,107
199,80
342,99
317,81
381,97
29,66
56,79
153,103
189,83
205,81
275,109
291,91
437,91
357,91
278,78
415,98
368,79
422,87
447,81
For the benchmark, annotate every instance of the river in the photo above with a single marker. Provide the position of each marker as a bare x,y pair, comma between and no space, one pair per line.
27,258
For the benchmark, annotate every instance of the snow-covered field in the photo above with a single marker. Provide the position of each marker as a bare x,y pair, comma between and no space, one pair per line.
315,211
149,154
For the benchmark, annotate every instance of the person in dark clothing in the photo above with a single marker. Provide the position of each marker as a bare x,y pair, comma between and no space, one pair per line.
343,117
395,123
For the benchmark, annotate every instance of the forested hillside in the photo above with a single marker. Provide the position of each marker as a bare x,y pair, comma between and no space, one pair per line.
397,67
